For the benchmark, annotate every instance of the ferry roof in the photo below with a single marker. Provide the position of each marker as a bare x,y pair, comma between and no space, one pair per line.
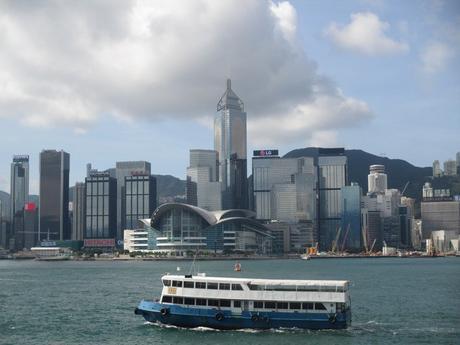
260,281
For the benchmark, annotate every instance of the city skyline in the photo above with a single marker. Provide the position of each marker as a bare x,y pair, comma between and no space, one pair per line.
406,76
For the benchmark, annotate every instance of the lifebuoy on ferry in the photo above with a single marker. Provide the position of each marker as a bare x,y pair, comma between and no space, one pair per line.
219,316
254,318
164,311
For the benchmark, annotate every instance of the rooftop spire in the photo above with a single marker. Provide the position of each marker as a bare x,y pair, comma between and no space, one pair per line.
229,99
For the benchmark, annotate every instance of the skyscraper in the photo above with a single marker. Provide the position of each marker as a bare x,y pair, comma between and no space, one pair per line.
19,195
457,160
230,143
122,170
203,188
101,202
350,237
377,179
332,176
54,195
140,198
450,167
437,172
79,211
274,177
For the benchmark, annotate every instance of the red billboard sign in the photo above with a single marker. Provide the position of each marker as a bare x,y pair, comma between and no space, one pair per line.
30,206
99,242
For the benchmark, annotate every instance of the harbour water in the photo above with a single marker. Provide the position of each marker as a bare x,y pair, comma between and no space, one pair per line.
394,301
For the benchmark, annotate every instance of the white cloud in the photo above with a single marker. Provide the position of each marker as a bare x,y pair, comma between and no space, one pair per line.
286,16
77,62
435,57
324,139
365,34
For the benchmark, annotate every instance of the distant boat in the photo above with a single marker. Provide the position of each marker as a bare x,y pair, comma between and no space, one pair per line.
53,258
305,257
237,267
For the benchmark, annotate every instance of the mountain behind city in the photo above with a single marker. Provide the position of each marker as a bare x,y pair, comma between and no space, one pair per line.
399,171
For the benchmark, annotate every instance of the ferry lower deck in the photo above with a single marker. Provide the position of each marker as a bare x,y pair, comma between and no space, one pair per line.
189,317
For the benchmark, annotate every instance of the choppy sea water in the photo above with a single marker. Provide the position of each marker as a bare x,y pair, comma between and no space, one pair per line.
394,301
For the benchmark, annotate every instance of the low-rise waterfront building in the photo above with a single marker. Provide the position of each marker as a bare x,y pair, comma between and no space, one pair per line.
182,228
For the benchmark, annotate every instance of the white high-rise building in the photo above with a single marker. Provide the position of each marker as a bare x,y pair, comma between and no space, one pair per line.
437,172
450,167
377,179
203,189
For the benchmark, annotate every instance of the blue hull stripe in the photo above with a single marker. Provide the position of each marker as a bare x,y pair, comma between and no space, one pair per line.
177,315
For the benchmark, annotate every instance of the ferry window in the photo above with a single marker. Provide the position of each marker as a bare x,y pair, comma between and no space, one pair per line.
200,301
255,287
258,304
178,300
200,285
270,305
307,306
212,286
189,301
294,305
281,305
237,304
224,286
166,299
340,307
166,282
225,303
213,302
320,306
237,287
177,283
188,285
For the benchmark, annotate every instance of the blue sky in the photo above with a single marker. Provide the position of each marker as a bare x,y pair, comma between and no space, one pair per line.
127,80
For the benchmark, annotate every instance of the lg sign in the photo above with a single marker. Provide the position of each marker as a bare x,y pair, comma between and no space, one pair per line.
265,153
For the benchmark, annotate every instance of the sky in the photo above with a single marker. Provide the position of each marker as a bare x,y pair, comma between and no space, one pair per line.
121,80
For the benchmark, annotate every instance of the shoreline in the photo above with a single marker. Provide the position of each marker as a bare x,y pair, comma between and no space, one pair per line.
235,258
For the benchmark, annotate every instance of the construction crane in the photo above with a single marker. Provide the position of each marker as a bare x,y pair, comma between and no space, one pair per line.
373,244
345,238
337,235
405,187
364,233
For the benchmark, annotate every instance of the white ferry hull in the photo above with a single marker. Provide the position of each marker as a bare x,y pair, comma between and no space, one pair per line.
191,317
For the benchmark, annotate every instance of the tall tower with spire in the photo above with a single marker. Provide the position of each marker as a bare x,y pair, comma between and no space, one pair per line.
230,143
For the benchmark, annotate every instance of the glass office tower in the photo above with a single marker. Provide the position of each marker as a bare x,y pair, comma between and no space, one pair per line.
141,198
19,185
53,210
350,236
101,203
332,176
230,143
123,169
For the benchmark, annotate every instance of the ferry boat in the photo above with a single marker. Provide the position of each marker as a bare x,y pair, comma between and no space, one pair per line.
236,303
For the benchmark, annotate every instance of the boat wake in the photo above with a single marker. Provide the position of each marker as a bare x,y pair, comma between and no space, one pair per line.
373,326
243,330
